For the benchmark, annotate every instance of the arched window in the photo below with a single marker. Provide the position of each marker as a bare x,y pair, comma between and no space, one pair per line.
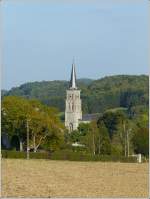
70,127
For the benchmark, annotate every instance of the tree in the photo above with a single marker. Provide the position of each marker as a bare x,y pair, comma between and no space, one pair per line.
44,126
43,121
96,138
94,133
112,120
14,111
83,128
121,140
120,131
103,142
141,141
88,133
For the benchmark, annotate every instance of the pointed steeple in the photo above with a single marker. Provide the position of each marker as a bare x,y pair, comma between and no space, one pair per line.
73,77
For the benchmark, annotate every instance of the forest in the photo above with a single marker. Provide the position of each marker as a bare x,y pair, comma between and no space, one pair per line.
97,95
121,129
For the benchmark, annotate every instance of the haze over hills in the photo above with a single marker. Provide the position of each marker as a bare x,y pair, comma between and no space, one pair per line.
97,95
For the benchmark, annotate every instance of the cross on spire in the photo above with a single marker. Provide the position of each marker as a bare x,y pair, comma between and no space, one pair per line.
73,77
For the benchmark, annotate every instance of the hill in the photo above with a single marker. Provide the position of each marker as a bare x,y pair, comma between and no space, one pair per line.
97,95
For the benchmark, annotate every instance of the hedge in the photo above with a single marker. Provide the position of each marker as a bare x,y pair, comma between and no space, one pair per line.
67,155
23,155
78,156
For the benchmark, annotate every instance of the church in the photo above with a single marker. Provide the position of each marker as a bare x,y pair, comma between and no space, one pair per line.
73,111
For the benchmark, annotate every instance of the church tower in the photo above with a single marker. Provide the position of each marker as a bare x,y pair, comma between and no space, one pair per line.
73,112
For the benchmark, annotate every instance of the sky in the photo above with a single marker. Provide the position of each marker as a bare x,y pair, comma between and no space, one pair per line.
41,37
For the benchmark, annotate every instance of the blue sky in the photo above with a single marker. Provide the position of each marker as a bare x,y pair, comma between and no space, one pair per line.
40,38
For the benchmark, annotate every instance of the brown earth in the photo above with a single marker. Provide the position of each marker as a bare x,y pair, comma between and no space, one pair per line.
45,178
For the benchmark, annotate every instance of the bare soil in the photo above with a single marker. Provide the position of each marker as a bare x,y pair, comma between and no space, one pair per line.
46,178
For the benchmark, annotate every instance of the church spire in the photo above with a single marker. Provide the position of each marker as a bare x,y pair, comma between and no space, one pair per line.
73,77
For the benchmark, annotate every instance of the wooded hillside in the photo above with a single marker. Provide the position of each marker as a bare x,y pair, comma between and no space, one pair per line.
97,95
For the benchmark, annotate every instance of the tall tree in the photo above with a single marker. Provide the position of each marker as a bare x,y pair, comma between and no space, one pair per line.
103,141
141,141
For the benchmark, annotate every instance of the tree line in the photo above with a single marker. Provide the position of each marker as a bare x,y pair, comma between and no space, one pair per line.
116,132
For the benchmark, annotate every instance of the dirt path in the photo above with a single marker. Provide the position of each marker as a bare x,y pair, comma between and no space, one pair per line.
45,178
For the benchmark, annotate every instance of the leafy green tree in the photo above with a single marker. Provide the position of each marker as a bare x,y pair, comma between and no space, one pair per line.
142,121
141,141
112,121
43,121
90,139
83,128
120,130
75,136
14,111
103,141
45,126
95,139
